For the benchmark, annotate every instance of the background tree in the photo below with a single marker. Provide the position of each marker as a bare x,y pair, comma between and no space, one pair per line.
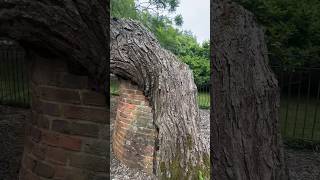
292,30
246,141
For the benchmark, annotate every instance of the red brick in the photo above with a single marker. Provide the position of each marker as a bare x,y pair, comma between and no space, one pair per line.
28,175
35,134
60,172
49,108
50,138
57,155
28,162
70,143
84,129
99,115
60,95
88,162
61,126
93,98
39,151
44,170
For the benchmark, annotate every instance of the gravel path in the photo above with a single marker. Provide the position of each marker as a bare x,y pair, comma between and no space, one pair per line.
302,165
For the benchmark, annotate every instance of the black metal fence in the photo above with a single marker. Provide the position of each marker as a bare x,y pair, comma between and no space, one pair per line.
300,91
14,86
300,103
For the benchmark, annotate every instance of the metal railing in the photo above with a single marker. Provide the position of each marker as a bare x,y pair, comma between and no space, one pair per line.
299,107
300,103
14,85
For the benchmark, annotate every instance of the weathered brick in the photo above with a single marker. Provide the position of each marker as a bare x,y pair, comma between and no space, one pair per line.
43,122
60,95
50,138
70,143
39,151
49,108
105,132
88,162
28,162
96,147
61,126
35,134
28,145
91,114
27,175
93,98
133,101
84,129
44,170
57,155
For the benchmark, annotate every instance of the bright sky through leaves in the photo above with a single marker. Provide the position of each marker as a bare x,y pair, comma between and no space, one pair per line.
196,17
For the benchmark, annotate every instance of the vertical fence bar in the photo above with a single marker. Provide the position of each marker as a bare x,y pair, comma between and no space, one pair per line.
27,81
4,78
297,107
287,105
307,105
14,71
1,75
17,75
11,72
22,64
315,112
9,89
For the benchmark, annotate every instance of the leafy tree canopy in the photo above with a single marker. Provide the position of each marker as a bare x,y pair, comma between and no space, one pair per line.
292,29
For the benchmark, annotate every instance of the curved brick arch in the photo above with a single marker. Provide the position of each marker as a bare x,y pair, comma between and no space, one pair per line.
134,131
67,137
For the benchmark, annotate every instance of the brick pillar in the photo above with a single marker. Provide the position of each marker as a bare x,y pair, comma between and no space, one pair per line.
134,133
67,136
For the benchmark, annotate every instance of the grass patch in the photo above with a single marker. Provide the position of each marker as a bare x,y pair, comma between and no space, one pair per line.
114,88
204,100
300,118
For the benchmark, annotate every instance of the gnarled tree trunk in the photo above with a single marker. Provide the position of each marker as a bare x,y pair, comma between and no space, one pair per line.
78,31
245,129
137,55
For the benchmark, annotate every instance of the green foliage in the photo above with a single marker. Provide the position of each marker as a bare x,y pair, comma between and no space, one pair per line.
200,67
200,175
292,29
123,9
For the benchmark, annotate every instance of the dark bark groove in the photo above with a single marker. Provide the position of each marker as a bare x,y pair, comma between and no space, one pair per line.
245,130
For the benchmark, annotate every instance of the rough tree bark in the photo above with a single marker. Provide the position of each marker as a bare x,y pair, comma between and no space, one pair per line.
77,30
245,130
169,84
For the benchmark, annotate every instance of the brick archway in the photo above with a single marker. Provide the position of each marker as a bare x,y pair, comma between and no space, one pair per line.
67,135
134,133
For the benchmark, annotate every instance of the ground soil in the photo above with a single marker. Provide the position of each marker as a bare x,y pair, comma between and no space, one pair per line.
302,164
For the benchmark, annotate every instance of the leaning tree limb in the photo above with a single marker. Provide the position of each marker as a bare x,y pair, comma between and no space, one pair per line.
245,98
169,84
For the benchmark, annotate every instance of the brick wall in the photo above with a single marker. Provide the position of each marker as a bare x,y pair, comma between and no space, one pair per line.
67,136
134,133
